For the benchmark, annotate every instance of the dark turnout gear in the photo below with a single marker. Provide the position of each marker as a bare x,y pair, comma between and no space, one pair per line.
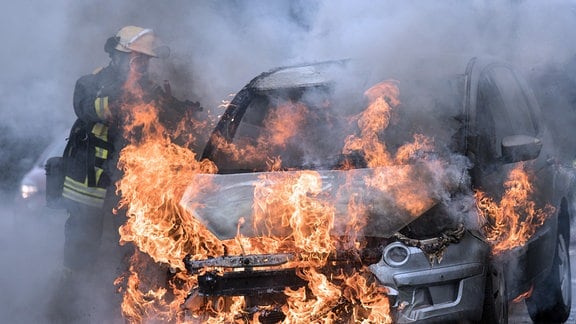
82,230
90,159
90,142
87,166
85,181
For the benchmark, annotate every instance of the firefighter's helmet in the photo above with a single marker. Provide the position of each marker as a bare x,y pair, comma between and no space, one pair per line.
137,39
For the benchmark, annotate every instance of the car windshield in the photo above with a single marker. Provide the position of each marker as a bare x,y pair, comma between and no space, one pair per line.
294,128
322,127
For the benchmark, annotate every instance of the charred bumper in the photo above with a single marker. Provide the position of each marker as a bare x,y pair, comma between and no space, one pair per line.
426,288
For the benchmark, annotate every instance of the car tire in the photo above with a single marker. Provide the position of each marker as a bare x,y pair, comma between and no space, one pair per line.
495,297
551,299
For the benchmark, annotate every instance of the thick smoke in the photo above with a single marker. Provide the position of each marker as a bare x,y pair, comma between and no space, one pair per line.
217,46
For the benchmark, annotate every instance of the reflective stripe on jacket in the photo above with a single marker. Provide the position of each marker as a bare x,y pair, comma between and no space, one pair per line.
82,193
86,155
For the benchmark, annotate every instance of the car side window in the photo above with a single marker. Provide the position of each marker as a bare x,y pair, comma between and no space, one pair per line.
502,109
489,101
517,105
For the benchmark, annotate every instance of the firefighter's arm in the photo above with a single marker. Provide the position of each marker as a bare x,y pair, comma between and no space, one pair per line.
94,103
180,106
172,109
184,106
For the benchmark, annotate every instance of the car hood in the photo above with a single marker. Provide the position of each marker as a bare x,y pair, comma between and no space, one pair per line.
389,197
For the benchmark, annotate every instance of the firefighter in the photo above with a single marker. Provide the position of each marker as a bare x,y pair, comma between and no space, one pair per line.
101,102
98,98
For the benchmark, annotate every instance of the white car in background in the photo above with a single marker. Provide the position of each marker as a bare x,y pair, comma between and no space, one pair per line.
32,192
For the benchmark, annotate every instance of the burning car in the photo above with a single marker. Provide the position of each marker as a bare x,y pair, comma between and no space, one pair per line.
334,192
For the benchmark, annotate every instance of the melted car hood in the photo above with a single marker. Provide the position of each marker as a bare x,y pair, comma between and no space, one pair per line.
390,197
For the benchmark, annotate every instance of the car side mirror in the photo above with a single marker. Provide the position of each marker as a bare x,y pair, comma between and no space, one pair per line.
516,148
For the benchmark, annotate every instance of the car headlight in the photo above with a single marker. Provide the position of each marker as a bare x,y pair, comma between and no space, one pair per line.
396,254
26,191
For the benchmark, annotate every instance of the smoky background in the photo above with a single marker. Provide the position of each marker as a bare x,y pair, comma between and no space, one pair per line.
216,47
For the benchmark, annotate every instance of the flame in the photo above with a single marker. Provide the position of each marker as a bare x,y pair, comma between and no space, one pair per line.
363,301
372,121
292,203
511,222
524,295
155,169
290,214
282,126
145,297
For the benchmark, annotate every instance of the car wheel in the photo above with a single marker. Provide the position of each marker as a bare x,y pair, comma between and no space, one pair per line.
551,299
495,297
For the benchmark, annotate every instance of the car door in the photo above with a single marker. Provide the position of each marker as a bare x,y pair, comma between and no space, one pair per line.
502,108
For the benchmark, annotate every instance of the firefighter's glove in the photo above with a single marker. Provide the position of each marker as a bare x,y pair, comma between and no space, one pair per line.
193,105
183,107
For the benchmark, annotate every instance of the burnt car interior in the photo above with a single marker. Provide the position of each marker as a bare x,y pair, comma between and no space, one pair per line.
314,144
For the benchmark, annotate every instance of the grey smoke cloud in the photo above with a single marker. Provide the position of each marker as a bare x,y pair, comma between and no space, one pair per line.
217,46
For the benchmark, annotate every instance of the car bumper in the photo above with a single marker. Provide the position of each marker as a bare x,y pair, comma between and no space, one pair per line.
431,289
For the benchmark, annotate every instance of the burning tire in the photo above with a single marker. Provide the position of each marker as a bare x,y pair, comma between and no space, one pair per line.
495,297
552,298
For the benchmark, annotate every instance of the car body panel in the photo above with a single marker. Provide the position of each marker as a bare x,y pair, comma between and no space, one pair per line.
442,289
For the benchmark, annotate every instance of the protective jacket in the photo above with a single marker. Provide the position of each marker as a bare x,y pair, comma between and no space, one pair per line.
96,137
90,142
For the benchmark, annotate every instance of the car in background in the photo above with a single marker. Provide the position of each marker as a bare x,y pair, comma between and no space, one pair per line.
32,192
436,265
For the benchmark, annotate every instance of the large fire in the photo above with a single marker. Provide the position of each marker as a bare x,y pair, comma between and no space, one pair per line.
511,222
290,214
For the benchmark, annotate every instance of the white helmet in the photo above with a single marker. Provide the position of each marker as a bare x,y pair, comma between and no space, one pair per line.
141,40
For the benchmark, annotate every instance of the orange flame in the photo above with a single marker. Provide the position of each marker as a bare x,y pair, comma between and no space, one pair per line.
282,124
373,120
524,295
292,203
155,170
290,214
511,222
145,297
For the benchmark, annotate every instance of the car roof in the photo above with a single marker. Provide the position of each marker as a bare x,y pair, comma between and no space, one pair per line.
296,76
326,72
